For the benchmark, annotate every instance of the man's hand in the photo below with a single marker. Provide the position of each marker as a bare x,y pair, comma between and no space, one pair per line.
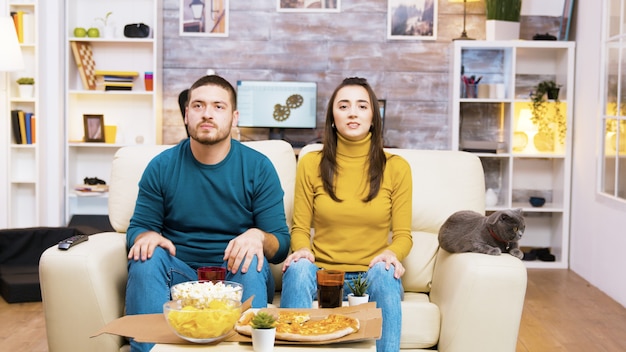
297,255
389,258
243,248
145,243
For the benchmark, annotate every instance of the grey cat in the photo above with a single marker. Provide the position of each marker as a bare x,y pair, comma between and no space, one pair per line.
469,231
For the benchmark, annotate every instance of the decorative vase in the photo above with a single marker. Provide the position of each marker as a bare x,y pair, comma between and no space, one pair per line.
26,90
263,339
356,300
502,30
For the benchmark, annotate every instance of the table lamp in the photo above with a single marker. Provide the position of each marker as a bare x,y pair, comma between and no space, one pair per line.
464,33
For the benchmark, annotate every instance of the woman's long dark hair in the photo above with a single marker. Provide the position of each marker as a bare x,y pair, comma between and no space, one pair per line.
377,160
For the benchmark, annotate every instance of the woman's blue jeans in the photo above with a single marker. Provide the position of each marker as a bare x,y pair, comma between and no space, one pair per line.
149,283
300,289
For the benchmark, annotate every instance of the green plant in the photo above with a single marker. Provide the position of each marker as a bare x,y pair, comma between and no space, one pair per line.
358,286
547,119
503,10
26,80
262,320
104,19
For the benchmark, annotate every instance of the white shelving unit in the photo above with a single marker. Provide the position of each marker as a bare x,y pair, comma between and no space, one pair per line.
518,161
23,165
135,113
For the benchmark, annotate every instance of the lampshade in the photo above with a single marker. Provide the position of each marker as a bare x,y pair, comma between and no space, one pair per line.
11,57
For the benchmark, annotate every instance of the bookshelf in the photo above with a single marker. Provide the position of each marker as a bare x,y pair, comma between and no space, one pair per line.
129,116
23,188
518,160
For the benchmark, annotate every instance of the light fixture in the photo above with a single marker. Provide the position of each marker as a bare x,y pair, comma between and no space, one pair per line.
11,58
197,8
464,33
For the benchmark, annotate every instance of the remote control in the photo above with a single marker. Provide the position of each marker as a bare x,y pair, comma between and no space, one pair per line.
72,241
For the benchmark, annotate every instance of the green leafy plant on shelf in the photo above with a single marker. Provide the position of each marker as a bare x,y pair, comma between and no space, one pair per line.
104,19
26,80
359,286
262,320
546,115
503,10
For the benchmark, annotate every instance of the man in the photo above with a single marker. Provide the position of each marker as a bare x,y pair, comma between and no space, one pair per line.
207,201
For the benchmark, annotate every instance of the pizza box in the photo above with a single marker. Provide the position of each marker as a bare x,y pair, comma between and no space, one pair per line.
153,327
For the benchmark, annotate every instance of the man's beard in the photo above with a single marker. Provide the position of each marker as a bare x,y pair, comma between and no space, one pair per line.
210,138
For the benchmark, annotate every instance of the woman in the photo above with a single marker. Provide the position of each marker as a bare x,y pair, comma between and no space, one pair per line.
352,194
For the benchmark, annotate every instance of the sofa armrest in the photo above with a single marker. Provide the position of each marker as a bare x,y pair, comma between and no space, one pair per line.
481,298
83,289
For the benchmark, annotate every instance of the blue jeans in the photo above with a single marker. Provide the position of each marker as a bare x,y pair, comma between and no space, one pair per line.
149,283
300,289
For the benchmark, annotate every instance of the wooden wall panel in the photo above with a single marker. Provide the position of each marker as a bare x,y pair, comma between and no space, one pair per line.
326,47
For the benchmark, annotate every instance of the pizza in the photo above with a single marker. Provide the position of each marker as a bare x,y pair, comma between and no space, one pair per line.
299,326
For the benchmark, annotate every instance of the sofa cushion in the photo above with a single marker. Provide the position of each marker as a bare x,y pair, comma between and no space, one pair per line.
424,319
420,262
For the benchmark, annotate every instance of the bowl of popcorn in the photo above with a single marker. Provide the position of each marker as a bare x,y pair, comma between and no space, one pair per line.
211,322
200,293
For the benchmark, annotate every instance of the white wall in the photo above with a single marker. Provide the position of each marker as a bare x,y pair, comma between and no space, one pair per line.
598,234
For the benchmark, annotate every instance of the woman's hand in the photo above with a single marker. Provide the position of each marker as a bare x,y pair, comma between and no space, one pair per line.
297,255
389,258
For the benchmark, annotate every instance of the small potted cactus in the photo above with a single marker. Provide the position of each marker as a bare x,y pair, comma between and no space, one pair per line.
358,288
263,332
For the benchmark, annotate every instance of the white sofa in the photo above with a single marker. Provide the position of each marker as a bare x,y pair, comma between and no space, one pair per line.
456,302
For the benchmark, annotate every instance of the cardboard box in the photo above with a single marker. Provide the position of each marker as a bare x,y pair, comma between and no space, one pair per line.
153,327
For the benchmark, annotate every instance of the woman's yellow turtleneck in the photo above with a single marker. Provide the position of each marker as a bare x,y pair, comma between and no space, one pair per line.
349,234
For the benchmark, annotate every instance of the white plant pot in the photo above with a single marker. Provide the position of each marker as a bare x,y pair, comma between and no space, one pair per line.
26,90
263,340
502,30
356,300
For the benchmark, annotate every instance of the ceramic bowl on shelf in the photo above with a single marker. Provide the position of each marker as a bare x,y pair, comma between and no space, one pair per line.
208,323
537,201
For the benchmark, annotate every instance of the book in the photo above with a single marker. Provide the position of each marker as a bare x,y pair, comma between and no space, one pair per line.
22,123
83,56
33,128
111,88
116,73
28,127
15,122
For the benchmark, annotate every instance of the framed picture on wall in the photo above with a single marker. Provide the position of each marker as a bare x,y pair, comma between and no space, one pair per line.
308,5
412,19
566,19
94,128
204,18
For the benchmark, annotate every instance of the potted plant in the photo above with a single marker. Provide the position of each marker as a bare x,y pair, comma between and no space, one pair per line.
26,86
546,115
503,19
263,332
358,288
107,28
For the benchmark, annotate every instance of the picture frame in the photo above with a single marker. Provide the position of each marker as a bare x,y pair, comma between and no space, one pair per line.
308,5
566,19
204,18
94,128
412,19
